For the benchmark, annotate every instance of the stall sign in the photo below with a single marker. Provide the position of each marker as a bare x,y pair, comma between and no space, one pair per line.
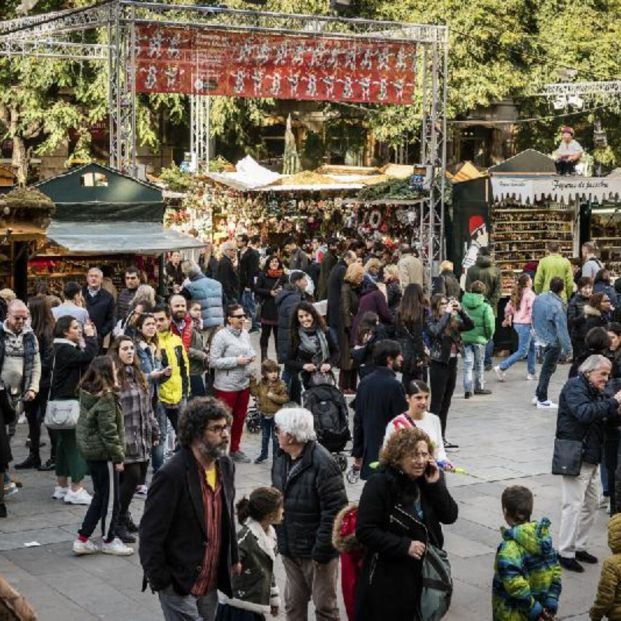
201,61
527,190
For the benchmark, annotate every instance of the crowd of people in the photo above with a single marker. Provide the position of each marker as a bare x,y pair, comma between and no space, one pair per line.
166,382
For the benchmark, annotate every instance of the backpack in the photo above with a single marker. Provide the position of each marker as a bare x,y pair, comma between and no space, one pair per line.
330,416
437,584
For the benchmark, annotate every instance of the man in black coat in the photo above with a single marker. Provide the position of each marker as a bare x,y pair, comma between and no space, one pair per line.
330,259
177,532
248,272
228,275
335,283
380,398
99,303
126,296
313,489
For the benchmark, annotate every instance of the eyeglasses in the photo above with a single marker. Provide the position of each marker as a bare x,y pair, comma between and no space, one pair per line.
219,429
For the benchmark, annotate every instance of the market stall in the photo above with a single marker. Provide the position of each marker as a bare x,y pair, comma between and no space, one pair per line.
106,218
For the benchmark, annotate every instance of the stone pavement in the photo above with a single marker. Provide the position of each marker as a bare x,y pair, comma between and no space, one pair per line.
504,440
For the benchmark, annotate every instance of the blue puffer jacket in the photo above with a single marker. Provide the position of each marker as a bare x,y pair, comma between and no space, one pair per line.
208,292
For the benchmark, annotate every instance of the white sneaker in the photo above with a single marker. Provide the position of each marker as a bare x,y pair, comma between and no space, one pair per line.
116,547
534,400
141,491
60,492
500,374
532,376
85,547
81,497
547,405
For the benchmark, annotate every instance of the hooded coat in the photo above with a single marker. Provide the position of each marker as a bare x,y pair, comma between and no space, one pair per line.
481,314
485,271
527,574
608,599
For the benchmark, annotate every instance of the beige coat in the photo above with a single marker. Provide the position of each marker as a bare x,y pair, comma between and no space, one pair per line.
412,271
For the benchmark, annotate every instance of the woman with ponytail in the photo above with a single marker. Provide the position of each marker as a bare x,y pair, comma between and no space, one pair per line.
255,593
518,313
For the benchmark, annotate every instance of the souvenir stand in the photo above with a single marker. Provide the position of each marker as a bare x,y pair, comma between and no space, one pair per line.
24,217
106,218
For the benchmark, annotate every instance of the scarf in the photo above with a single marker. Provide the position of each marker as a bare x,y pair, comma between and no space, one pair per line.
308,343
277,273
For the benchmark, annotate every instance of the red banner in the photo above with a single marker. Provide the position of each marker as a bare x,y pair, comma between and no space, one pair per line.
210,62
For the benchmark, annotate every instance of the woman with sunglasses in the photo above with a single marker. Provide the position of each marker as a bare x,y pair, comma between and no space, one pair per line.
230,357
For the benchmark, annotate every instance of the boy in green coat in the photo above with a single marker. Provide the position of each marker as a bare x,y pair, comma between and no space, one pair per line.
482,315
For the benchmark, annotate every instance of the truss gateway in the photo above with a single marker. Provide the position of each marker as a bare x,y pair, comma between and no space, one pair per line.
63,34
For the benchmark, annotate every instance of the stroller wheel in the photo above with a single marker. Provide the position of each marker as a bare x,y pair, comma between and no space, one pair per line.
353,475
341,460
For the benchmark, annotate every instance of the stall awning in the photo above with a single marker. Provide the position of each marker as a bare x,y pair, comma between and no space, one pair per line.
118,237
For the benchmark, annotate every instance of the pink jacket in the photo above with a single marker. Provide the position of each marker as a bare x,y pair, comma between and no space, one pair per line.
524,314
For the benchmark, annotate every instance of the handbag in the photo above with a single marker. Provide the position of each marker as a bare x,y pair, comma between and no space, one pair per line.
567,457
60,413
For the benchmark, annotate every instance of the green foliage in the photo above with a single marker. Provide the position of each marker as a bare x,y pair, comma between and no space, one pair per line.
175,179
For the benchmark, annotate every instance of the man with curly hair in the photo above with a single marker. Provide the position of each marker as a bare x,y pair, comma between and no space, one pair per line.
188,547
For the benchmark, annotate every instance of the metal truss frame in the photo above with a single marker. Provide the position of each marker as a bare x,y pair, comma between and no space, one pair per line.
49,35
199,131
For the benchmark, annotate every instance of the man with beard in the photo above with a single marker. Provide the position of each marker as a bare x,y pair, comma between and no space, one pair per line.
188,547
181,323
380,398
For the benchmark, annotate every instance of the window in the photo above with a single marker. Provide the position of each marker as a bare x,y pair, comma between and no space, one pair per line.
94,180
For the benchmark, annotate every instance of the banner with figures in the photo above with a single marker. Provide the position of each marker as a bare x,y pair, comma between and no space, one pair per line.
201,61
527,190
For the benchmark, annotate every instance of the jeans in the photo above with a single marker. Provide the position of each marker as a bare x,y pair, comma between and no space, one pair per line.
157,456
188,607
489,352
267,432
250,306
526,348
551,355
294,385
474,364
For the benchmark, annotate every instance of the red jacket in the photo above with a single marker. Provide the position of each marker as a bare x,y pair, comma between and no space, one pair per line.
186,335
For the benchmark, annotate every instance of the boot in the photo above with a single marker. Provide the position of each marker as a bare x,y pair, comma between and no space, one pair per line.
122,532
32,461
263,353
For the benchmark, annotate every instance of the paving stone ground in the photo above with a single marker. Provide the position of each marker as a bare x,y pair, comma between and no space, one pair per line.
504,440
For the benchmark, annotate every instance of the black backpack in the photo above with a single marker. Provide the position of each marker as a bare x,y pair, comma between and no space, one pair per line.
330,415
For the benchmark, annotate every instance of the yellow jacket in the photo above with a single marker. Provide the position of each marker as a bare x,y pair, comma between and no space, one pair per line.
608,599
177,386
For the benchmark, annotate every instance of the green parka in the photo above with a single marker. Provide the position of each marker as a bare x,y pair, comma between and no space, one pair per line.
482,316
99,432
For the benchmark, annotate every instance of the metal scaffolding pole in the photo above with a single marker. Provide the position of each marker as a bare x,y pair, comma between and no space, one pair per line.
199,130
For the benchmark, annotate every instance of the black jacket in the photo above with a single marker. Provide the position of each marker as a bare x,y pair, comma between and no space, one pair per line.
442,340
314,493
70,363
172,530
582,412
329,261
265,285
100,309
298,357
576,322
389,583
229,279
446,284
248,269
380,398
286,301
335,282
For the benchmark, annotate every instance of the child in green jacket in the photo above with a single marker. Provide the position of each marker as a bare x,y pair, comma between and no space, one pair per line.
527,574
475,340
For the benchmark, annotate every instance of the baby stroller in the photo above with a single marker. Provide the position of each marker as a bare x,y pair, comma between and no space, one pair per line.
331,416
253,419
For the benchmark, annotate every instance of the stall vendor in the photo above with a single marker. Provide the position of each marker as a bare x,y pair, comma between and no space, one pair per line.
568,154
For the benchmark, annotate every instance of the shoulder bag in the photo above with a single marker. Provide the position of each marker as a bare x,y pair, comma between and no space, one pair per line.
567,457
60,413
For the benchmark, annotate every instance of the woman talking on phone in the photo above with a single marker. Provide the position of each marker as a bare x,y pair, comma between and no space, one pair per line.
230,356
400,512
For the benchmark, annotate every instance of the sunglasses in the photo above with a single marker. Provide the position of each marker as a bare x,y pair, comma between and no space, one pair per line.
238,316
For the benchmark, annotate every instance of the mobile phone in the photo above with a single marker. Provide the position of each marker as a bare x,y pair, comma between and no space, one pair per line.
429,469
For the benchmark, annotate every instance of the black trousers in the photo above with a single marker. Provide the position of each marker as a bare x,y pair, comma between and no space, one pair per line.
564,167
104,507
266,330
442,378
132,476
35,412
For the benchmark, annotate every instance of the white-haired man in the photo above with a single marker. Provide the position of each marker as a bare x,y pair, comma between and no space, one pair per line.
99,303
312,486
